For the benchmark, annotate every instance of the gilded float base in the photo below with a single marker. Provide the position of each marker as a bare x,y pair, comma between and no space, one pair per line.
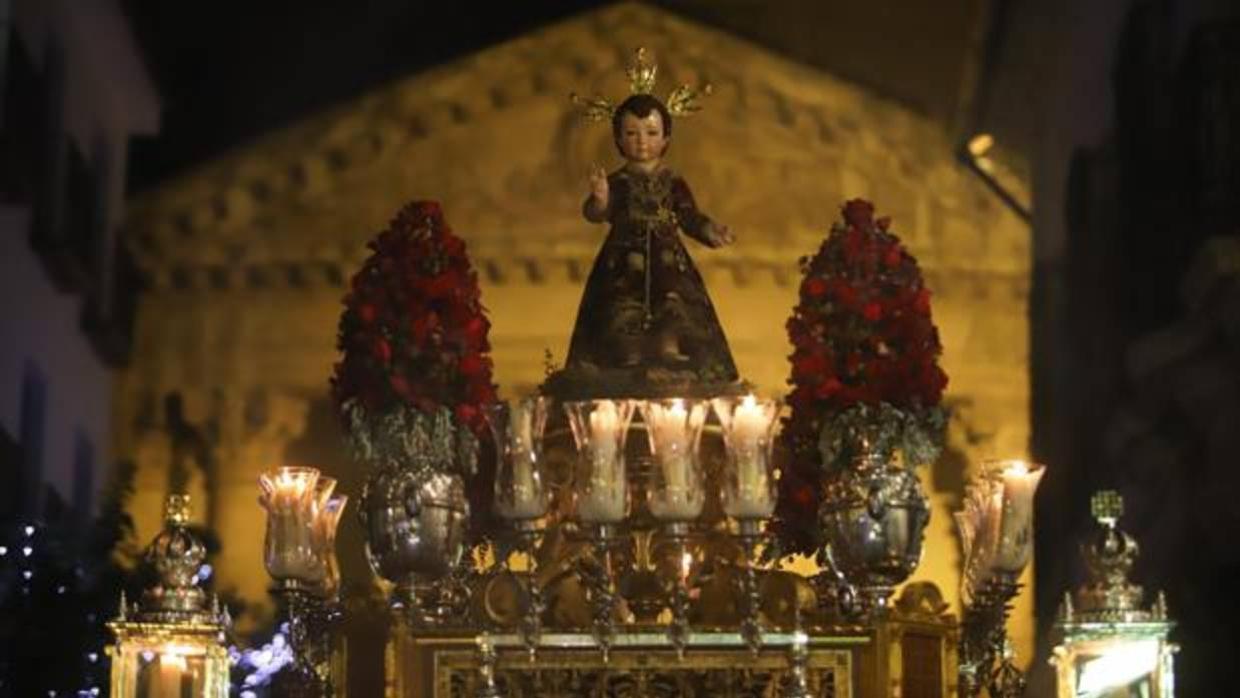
910,652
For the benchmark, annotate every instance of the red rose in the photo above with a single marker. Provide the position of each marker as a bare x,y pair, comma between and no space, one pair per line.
859,213
366,313
453,246
827,388
814,287
922,302
482,393
466,413
400,386
809,365
845,293
381,350
892,257
441,285
421,210
422,326
471,365
872,311
476,330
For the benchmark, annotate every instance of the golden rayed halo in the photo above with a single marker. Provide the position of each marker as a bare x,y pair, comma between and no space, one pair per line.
642,73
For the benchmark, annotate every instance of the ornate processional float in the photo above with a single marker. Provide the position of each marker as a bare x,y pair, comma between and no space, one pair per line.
621,533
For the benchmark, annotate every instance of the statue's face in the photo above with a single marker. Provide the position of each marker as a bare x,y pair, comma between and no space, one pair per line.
641,139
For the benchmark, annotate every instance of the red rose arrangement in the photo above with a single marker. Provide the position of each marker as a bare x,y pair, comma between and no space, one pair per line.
864,348
413,333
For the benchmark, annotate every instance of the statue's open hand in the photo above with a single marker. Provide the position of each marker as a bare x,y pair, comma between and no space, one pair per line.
598,186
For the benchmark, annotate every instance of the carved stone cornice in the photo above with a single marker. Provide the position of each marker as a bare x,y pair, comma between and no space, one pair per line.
498,271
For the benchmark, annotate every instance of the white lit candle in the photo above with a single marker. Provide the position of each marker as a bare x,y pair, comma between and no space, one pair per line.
672,437
171,672
603,496
291,501
748,428
517,429
1015,540
526,500
604,422
674,428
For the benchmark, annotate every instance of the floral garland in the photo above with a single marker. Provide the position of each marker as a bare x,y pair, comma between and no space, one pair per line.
413,336
865,361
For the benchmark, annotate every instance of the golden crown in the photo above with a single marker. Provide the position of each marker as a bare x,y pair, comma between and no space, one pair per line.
642,74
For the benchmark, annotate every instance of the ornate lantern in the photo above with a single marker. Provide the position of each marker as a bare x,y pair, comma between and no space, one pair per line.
171,644
1107,643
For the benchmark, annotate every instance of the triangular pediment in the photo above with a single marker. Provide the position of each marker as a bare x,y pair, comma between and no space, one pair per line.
495,139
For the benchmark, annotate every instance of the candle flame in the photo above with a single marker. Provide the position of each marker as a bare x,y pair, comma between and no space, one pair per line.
175,653
1016,467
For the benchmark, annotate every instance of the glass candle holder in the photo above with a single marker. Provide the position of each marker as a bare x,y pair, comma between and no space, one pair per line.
520,490
674,427
325,525
600,488
1018,481
996,523
290,497
748,488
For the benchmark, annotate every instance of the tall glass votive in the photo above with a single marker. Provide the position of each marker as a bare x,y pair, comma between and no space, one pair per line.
600,488
677,492
748,488
291,499
325,525
520,490
1013,539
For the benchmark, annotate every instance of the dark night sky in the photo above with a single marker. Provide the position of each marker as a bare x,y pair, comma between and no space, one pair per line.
229,71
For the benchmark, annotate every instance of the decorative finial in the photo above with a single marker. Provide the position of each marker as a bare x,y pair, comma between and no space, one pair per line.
642,73
123,612
684,100
1110,595
177,556
176,510
593,108
1107,506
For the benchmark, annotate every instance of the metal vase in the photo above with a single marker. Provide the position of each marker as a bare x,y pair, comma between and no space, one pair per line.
874,516
415,536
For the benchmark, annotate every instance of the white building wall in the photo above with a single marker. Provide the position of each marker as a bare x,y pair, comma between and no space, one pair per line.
39,324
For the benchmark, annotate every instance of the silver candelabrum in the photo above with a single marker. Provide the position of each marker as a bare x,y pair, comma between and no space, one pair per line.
996,530
299,554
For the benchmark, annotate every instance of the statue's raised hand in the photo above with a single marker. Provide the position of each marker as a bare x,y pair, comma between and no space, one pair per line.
598,187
